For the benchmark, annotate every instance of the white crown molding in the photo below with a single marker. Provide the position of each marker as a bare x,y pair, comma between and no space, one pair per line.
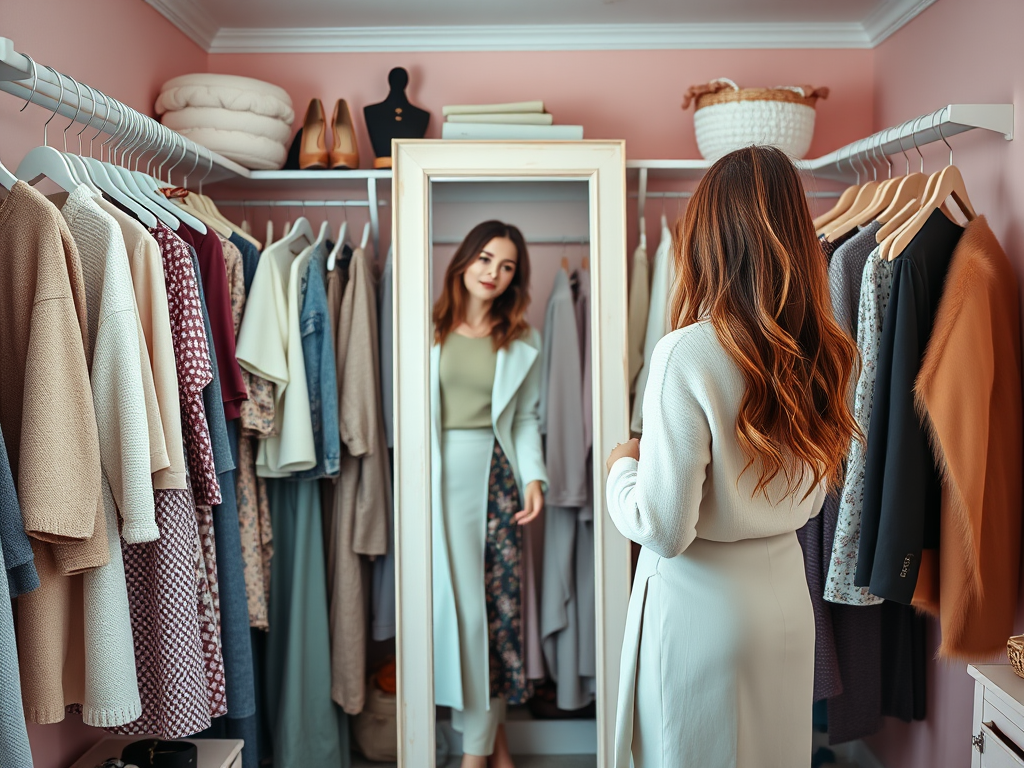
562,37
196,23
890,17
191,18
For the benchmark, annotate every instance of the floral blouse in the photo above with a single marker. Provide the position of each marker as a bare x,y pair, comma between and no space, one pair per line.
875,288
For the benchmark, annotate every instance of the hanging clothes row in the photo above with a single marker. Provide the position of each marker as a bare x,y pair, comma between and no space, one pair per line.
567,624
134,622
220,442
930,512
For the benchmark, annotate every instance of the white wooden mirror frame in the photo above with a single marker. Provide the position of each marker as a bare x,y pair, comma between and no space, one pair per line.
416,164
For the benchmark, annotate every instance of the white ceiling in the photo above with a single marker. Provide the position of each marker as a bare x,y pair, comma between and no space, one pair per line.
395,25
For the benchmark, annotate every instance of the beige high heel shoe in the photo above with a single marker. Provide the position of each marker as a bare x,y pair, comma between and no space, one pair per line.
313,152
345,151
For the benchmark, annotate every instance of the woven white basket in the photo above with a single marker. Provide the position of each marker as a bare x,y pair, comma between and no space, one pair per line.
729,118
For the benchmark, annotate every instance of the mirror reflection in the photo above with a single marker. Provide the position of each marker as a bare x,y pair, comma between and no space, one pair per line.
511,434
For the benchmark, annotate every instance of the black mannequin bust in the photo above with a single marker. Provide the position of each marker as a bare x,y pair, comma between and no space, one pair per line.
395,117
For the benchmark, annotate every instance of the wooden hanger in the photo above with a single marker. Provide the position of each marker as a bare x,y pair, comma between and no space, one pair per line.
865,195
842,206
911,187
884,195
950,183
270,233
565,264
585,264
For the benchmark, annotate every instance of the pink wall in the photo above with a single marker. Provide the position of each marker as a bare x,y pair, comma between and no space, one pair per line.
964,51
631,95
122,47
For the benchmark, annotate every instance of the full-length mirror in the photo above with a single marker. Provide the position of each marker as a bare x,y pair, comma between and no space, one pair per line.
510,384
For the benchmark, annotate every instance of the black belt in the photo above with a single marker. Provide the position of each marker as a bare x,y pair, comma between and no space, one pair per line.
154,753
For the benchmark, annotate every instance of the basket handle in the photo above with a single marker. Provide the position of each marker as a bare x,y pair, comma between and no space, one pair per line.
694,92
805,91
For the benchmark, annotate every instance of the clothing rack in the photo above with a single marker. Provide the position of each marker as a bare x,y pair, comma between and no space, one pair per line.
31,81
297,203
852,162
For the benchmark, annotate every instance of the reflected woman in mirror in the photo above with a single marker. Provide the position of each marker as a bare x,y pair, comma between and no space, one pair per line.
746,425
488,478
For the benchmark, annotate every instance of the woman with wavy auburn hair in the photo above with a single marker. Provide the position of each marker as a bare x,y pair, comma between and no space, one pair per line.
488,478
746,425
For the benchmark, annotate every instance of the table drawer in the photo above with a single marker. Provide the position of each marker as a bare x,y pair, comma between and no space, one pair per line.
999,752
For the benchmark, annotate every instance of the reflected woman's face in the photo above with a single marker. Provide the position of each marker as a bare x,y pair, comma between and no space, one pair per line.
491,273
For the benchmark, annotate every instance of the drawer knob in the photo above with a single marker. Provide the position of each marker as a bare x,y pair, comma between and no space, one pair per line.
979,742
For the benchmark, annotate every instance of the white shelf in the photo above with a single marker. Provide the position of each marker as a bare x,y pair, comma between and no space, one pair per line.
836,166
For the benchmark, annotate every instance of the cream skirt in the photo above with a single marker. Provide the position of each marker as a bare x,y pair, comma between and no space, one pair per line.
718,659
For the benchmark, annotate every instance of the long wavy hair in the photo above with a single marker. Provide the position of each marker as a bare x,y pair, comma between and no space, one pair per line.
749,261
508,310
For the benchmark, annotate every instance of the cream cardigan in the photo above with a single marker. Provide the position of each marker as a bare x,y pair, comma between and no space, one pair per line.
685,485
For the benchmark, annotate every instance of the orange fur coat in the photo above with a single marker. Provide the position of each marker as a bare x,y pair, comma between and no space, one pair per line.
968,395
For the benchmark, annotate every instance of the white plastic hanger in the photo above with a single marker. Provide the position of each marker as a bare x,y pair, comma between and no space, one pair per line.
132,185
7,179
300,230
45,161
75,161
339,244
366,236
149,188
146,181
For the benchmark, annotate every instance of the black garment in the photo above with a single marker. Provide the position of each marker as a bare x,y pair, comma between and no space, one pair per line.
904,662
902,493
857,711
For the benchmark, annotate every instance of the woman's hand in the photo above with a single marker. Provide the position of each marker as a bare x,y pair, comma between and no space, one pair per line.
534,504
630,448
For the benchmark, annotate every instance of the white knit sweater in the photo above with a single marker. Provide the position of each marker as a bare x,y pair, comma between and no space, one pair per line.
111,683
689,482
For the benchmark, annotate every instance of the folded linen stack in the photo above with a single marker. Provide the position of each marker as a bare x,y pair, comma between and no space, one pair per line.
245,120
507,122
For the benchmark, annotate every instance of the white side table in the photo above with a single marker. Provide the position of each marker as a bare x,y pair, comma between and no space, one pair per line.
998,734
213,753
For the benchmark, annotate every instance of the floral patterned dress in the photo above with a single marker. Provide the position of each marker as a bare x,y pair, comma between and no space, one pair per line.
876,285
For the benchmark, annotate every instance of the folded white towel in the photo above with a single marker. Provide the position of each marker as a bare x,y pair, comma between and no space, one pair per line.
255,152
241,94
228,120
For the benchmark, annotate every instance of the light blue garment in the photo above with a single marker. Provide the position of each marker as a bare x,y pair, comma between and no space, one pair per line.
234,607
321,371
17,551
14,747
516,425
300,711
250,259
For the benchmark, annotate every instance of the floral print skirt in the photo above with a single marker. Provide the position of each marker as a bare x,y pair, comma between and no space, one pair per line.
503,549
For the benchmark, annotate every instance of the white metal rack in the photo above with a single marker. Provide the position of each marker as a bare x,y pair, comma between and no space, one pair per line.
848,163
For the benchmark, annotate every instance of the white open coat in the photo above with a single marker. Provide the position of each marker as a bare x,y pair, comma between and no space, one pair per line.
514,417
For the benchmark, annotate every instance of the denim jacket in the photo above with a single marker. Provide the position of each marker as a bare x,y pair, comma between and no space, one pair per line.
321,376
